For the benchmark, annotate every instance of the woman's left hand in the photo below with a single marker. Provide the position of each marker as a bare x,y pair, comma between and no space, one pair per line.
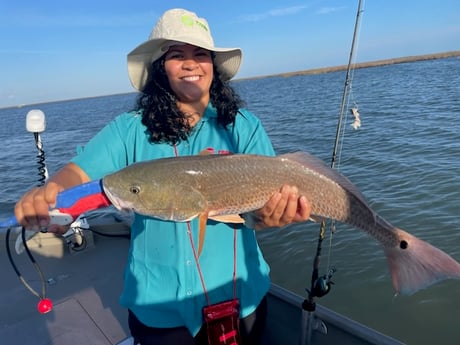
283,208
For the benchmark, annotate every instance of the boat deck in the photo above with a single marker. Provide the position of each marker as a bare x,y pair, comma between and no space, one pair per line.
85,287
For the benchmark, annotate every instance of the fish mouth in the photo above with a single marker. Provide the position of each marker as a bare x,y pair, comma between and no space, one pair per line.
117,202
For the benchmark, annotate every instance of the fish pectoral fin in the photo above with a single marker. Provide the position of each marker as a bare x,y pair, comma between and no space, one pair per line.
202,219
184,202
228,218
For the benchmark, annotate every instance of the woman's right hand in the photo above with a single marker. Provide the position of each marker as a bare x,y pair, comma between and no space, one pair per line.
32,210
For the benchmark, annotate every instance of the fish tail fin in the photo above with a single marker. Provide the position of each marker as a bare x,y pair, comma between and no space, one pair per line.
415,264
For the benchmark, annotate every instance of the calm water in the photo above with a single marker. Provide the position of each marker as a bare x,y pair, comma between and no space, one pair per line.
404,158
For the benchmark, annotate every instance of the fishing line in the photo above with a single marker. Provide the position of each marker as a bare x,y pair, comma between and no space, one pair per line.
332,230
32,259
45,305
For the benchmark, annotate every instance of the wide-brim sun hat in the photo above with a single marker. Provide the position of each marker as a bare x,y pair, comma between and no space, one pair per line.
179,26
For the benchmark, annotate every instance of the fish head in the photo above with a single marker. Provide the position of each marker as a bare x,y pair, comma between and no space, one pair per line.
127,193
149,190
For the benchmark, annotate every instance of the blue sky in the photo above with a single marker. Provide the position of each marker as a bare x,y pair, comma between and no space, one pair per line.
55,50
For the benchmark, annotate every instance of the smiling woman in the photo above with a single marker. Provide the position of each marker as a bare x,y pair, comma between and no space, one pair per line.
165,66
190,73
186,105
179,27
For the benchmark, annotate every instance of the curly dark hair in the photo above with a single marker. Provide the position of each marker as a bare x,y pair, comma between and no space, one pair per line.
164,121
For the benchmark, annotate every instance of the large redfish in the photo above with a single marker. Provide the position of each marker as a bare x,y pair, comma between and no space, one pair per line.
183,188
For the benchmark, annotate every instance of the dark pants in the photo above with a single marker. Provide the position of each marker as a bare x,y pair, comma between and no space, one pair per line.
251,330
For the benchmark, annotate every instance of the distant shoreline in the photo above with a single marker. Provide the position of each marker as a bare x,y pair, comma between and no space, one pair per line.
376,63
361,65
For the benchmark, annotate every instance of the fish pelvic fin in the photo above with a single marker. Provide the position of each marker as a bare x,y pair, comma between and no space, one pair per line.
202,219
415,264
230,218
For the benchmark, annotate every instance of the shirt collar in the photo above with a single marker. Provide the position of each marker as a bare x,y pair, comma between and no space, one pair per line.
209,113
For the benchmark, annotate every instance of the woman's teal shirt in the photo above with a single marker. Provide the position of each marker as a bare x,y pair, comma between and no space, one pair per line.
162,284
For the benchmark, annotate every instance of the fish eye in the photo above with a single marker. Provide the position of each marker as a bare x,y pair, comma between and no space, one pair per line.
134,189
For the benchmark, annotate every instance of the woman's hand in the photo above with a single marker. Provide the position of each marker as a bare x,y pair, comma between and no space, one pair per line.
32,210
283,208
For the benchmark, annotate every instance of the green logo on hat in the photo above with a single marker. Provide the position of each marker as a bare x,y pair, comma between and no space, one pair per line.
189,21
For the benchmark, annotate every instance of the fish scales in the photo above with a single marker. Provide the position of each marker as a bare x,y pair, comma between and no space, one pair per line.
235,184
250,181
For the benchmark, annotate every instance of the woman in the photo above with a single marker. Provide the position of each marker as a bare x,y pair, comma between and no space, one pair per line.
186,106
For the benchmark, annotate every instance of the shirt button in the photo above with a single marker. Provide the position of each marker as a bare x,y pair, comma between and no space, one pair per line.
189,292
188,262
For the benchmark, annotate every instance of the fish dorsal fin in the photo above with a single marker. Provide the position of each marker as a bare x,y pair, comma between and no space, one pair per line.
316,164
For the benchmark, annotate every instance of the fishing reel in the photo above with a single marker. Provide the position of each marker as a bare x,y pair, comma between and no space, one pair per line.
76,237
322,285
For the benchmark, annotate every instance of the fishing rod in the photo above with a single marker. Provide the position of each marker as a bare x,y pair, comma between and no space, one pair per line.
321,285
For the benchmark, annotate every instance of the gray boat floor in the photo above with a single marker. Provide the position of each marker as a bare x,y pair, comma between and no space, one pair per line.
85,287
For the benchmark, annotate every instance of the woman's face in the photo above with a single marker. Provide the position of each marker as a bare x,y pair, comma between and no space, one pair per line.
190,71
